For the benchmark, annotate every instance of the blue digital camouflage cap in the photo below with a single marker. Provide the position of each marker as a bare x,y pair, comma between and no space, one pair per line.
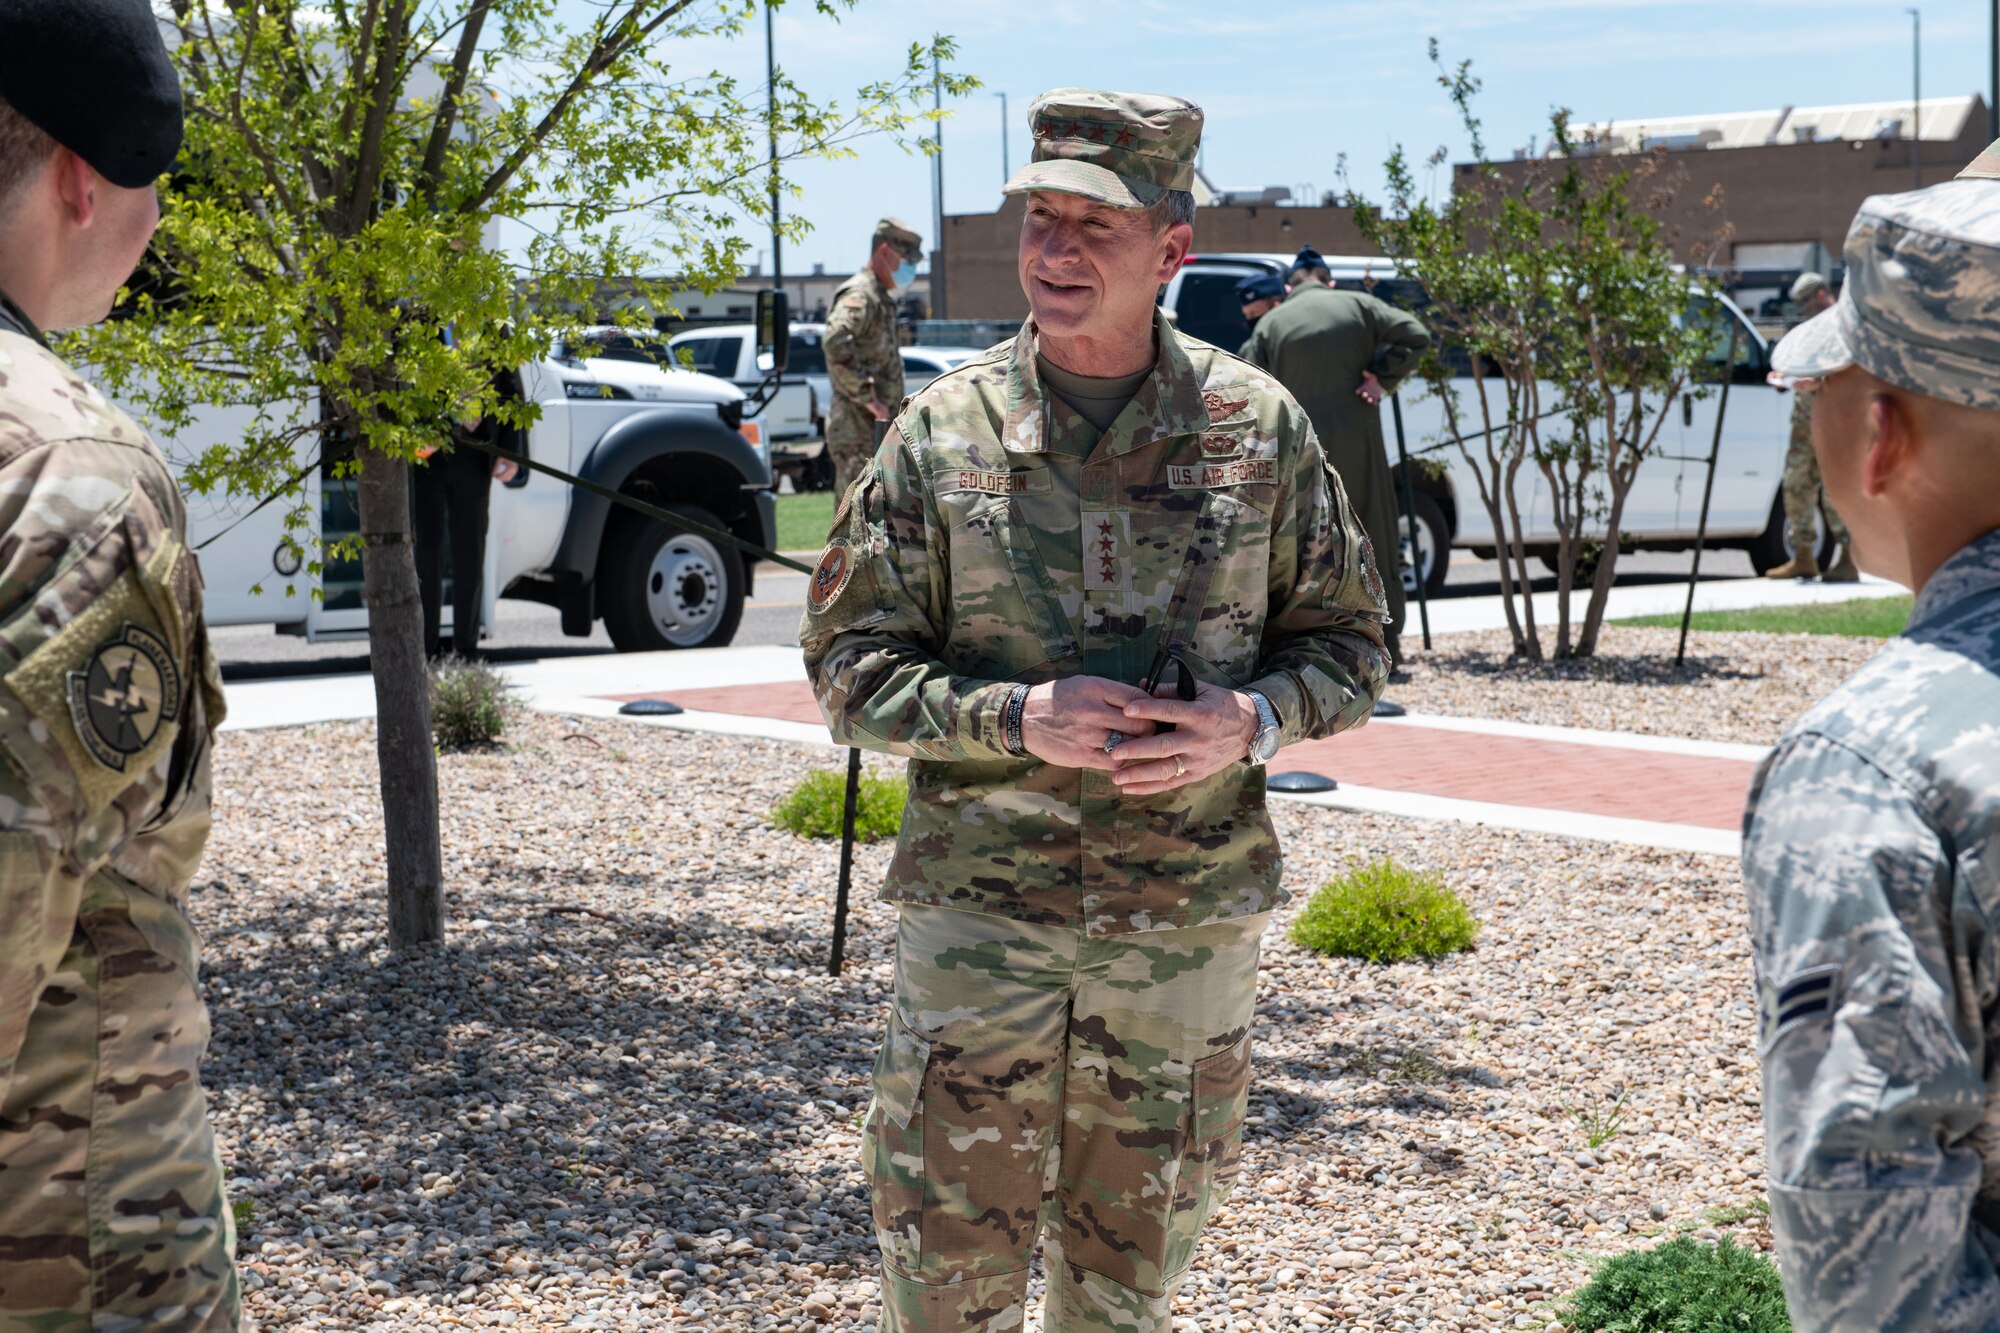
1122,149
1921,305
1260,287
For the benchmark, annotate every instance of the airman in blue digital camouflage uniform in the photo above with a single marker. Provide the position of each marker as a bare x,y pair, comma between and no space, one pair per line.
1872,843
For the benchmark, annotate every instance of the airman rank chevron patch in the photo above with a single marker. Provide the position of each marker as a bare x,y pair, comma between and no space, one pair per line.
1804,997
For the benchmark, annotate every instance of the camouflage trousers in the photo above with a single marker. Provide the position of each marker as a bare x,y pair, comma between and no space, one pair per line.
112,1213
1804,500
1038,1081
850,441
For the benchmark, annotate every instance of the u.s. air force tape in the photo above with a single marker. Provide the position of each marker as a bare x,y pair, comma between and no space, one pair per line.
831,577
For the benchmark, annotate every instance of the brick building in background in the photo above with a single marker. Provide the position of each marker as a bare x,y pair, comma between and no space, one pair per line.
982,280
1790,179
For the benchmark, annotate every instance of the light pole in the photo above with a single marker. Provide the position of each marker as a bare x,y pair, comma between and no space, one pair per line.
1003,131
937,194
771,124
1916,98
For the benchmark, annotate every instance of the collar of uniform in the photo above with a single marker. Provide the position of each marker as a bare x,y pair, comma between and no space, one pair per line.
15,318
1975,569
1168,403
1304,290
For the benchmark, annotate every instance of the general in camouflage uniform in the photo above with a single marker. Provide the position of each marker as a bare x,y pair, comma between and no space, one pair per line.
1804,497
1339,352
864,360
1068,1054
1872,842
112,1213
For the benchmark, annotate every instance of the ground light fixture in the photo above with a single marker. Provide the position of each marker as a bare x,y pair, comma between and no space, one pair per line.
1300,782
651,708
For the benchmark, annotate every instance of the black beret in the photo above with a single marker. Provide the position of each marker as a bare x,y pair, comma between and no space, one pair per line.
1259,287
94,75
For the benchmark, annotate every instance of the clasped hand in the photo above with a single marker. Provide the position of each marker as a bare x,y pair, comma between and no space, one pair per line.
1066,722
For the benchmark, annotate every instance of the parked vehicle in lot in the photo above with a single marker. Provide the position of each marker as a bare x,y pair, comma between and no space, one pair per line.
729,352
1663,509
674,438
921,365
797,414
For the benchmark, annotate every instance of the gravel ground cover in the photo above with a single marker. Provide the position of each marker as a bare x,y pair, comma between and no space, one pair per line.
1733,687
625,1095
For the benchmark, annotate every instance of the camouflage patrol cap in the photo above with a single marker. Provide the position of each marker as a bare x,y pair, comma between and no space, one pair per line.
1122,149
901,235
1805,285
1985,167
1921,306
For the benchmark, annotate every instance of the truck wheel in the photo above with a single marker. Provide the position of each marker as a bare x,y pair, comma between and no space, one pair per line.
1773,546
1433,553
662,587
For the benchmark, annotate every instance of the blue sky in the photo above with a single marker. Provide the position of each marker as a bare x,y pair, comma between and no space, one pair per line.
1288,87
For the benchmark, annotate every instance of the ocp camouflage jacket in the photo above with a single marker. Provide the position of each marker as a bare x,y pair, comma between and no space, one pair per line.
990,543
108,694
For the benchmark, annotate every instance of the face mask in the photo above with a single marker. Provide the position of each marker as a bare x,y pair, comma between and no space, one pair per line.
906,273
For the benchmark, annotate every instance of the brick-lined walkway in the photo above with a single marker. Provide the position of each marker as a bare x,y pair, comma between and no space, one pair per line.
1505,770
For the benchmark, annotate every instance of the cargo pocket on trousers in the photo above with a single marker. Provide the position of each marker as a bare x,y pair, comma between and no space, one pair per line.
892,1145
1219,1097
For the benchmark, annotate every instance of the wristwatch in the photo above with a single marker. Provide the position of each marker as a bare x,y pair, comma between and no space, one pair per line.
1265,743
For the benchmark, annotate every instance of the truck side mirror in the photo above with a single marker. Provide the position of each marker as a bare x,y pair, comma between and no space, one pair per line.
774,329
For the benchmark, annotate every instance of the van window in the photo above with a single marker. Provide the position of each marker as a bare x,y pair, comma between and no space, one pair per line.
1208,308
1719,320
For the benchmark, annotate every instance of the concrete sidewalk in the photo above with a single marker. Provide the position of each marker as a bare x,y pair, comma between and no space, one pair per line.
1680,794
298,700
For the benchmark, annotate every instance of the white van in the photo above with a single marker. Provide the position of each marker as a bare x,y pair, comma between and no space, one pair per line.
1661,513
671,437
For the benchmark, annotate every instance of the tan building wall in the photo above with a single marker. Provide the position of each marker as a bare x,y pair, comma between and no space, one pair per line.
981,281
1792,193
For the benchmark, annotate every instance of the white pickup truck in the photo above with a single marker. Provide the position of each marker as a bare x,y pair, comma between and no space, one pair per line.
1664,507
670,437
796,415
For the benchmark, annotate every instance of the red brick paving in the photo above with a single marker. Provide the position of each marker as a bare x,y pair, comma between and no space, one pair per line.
1506,770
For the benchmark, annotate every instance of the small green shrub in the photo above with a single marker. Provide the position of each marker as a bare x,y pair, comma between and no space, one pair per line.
1384,913
1682,1286
469,704
814,807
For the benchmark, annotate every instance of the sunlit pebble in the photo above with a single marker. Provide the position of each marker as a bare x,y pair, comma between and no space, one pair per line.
1412,1161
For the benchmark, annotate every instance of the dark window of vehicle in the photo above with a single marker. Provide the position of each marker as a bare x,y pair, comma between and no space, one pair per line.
917,365
713,356
808,357
1719,320
609,346
1208,308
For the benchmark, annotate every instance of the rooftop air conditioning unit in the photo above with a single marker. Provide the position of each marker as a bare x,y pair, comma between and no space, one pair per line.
1242,195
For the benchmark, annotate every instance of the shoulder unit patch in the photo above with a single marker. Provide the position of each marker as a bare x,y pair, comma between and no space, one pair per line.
830,579
126,691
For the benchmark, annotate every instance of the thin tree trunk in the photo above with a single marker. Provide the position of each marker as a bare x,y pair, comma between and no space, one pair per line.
1607,570
403,750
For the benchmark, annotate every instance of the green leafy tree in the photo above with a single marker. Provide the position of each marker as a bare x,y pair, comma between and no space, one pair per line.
346,169
1558,290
